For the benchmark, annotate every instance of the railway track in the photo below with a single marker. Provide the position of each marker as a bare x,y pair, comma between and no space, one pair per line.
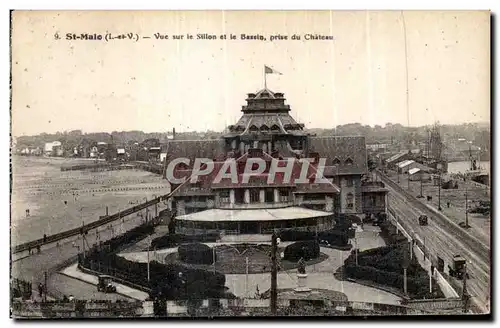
444,238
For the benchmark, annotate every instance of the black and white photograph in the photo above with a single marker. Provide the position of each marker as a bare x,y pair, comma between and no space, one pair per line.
237,164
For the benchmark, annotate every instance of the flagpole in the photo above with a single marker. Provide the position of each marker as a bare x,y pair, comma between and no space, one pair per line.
265,81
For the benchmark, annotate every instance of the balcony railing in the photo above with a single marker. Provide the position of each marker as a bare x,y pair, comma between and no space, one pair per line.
314,201
196,204
255,205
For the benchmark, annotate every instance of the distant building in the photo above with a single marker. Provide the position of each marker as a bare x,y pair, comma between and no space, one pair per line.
405,166
374,197
121,154
417,174
377,147
53,148
397,158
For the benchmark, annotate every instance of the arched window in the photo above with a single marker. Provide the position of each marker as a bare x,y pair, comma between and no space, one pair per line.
336,161
348,161
350,200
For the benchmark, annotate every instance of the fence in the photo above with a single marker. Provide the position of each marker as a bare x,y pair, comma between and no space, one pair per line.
74,309
21,288
206,307
422,255
77,231
436,304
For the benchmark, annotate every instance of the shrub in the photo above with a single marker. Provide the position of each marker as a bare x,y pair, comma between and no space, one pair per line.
173,240
196,253
165,279
302,249
334,237
295,235
167,241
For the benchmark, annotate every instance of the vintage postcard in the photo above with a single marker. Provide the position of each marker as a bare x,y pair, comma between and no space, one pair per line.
218,164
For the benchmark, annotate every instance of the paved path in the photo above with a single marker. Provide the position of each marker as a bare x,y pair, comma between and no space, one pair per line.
320,274
32,268
122,291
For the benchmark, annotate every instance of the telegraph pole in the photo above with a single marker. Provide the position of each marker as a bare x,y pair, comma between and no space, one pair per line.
466,207
439,192
431,272
465,294
45,286
421,185
83,240
274,274
405,266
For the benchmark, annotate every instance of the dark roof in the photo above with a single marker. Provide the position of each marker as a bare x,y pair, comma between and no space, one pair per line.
347,153
206,182
317,188
273,122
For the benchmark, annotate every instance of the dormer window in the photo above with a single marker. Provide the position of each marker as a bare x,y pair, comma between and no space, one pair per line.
275,128
348,161
253,128
336,161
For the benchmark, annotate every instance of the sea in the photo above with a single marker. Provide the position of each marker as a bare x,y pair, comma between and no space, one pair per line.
462,167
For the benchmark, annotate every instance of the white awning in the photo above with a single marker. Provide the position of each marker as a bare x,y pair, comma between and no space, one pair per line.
405,163
272,214
413,170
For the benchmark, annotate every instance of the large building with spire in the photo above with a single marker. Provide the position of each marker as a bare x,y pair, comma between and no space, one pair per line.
268,131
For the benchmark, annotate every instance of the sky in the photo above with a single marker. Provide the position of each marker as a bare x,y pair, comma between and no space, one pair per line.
156,85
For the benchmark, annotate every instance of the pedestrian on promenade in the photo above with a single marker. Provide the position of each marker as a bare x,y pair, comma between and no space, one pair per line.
40,289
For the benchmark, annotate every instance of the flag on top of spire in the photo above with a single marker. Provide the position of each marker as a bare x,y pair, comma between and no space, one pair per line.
269,70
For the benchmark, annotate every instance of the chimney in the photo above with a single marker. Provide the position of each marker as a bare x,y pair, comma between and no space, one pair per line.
255,152
173,133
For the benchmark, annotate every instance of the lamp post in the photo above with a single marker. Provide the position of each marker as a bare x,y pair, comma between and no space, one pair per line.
213,257
149,246
156,207
274,274
246,277
356,249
